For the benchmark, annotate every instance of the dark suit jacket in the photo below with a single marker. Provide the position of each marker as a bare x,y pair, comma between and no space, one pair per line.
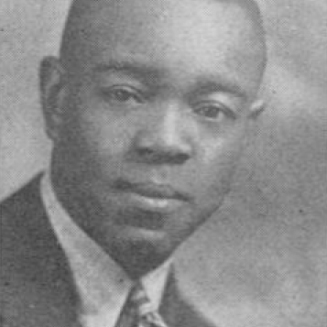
37,289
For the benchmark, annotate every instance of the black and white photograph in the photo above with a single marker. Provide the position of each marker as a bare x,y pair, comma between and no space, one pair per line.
163,163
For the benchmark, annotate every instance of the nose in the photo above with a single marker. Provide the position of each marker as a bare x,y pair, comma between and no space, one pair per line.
163,138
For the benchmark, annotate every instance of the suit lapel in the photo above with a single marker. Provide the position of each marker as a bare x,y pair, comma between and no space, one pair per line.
175,309
37,283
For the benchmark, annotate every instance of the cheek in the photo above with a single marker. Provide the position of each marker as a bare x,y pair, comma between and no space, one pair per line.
219,160
92,149
103,136
99,133
221,153
224,143
92,125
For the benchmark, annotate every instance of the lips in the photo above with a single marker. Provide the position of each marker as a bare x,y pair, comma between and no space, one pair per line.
152,197
151,190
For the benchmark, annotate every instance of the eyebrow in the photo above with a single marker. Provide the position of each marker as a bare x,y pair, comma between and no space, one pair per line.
132,68
205,85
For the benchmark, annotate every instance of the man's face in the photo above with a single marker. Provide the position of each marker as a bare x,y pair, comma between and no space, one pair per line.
154,117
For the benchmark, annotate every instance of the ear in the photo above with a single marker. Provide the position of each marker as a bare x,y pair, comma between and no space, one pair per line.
52,87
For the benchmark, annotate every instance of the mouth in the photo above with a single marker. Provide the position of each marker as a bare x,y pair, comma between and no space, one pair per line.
152,197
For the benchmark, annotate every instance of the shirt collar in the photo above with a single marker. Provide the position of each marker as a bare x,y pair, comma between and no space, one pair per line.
102,284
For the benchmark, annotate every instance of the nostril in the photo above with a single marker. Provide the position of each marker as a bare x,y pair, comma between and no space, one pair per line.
181,158
162,157
145,152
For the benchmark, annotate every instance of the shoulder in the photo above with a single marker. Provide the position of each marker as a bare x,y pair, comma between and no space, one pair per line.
177,307
24,200
35,277
18,214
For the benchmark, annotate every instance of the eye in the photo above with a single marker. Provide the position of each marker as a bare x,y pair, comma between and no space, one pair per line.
121,94
211,111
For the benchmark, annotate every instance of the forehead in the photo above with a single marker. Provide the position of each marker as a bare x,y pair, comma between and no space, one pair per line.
184,35
168,24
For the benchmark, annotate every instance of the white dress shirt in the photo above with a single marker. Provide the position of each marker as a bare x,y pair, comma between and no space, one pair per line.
102,284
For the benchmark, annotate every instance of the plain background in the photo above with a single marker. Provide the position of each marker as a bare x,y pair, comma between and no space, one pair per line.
269,239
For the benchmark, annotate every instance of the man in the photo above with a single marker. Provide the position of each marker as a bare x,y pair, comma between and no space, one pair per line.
148,106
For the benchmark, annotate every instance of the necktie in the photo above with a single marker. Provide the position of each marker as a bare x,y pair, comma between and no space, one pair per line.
138,311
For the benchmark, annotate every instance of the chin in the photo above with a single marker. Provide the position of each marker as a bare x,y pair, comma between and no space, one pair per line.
158,241
141,250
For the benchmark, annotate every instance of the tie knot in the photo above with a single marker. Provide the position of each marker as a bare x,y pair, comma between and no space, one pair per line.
140,301
140,310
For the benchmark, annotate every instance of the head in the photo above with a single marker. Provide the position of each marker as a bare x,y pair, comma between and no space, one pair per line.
149,106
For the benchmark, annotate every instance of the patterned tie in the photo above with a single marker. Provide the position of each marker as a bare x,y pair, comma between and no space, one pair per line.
138,311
